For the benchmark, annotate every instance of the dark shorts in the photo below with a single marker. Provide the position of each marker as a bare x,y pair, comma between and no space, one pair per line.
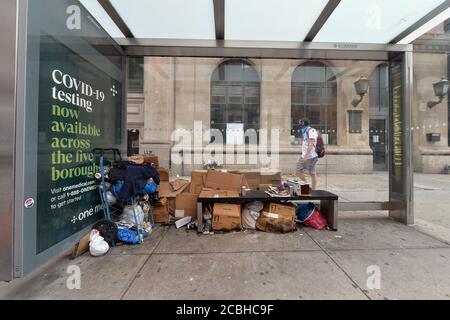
307,167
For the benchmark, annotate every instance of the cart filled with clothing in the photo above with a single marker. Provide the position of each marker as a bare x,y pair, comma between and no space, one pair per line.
127,190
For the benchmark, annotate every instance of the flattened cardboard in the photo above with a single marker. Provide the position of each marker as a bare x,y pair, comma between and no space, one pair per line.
197,181
82,246
160,211
186,205
226,217
172,203
179,184
224,181
270,177
162,202
166,190
151,159
164,174
208,193
253,178
264,187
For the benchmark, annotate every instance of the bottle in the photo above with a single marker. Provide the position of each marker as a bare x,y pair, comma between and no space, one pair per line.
305,189
243,191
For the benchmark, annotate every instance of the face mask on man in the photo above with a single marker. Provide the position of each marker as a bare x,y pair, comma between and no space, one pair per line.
303,127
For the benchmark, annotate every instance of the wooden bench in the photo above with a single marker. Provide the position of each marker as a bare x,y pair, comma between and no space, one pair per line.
328,204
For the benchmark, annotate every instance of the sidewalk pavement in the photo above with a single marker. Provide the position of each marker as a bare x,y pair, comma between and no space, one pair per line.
431,197
307,264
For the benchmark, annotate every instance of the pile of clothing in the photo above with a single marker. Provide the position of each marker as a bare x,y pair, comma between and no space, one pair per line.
129,179
131,188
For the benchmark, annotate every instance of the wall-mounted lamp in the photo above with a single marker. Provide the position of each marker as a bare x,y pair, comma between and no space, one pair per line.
361,87
440,90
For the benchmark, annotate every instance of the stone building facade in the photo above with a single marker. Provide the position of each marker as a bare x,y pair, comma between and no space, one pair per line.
177,95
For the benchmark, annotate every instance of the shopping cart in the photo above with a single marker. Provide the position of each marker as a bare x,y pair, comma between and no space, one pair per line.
105,159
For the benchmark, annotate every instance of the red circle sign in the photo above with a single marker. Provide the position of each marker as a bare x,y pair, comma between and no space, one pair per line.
29,203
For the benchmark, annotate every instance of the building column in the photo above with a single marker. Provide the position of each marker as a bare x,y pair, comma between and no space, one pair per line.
159,88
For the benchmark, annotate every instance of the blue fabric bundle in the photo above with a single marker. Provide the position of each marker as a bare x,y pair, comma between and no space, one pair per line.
130,236
304,211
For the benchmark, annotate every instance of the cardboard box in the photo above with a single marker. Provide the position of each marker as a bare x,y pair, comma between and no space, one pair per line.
253,178
166,191
277,217
151,159
172,203
224,180
164,174
286,211
208,193
186,205
270,177
160,211
226,216
197,181
273,222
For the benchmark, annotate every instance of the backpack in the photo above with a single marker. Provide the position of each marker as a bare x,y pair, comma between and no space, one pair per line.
320,149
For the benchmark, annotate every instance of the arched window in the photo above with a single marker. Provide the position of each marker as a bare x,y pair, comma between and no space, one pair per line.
314,96
235,96
379,91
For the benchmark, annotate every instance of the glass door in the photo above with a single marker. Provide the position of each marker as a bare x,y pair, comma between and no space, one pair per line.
378,143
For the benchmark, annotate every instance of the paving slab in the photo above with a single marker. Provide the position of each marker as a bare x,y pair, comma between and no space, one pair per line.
437,231
373,232
433,206
147,247
259,275
404,274
183,241
104,278
441,181
360,182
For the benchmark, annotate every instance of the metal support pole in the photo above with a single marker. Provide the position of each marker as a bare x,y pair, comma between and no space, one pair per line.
401,183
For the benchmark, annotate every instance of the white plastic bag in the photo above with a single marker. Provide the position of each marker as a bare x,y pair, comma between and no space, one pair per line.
97,245
255,206
182,222
250,214
128,214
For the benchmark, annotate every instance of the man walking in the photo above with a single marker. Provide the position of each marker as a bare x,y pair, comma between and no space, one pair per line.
308,160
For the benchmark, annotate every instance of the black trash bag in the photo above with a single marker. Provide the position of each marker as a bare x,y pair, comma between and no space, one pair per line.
108,230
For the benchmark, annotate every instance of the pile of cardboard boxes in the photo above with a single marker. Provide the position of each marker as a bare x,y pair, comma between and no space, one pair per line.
179,199
176,200
224,184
